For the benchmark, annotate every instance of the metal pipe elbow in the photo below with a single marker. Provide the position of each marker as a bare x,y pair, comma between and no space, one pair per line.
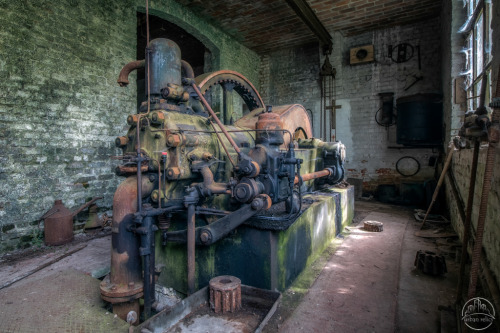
187,69
124,73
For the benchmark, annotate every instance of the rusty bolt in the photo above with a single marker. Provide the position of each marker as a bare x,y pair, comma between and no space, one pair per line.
158,117
257,204
174,172
155,196
205,237
173,140
132,119
121,141
185,96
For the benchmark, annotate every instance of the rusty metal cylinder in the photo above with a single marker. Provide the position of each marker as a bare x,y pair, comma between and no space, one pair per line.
268,128
163,65
58,225
225,294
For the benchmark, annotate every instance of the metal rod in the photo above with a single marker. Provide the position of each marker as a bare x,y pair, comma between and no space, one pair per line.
147,286
467,220
191,244
483,206
440,182
222,144
314,175
212,113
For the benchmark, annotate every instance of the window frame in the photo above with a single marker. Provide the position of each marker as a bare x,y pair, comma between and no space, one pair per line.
477,10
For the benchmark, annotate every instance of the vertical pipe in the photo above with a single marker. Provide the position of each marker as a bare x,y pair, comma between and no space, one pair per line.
147,245
191,248
152,264
147,287
468,214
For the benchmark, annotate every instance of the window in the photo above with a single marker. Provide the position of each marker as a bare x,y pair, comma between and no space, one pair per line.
478,51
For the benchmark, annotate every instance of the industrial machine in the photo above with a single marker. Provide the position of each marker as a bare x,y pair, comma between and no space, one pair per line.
192,179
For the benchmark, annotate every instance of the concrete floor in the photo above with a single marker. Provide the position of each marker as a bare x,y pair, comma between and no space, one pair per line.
370,283
363,283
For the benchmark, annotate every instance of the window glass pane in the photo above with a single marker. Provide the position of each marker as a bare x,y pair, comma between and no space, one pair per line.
477,93
470,7
489,31
468,61
478,47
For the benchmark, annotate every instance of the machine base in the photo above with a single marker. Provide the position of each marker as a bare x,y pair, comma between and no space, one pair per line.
258,252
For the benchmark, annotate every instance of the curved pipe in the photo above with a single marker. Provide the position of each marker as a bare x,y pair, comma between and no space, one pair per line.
133,65
124,73
188,70
208,182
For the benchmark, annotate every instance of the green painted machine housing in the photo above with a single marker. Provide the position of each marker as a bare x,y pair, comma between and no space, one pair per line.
260,257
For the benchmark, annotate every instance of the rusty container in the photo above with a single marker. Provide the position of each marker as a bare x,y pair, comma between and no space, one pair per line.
269,126
58,223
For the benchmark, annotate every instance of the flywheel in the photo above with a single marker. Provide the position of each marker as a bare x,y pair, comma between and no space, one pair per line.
231,81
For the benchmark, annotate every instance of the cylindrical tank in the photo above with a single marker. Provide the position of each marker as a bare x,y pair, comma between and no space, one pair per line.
269,125
164,61
420,120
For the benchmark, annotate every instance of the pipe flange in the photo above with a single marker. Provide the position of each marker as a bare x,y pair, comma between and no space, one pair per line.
114,293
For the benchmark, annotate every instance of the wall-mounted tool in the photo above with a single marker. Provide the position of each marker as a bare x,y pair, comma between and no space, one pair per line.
385,115
417,78
401,52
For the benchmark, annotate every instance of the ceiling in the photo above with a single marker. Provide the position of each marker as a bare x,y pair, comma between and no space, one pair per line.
267,25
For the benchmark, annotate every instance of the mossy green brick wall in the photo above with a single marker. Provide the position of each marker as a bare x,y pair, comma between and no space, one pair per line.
60,106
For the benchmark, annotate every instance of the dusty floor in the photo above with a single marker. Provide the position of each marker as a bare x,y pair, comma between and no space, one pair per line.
365,282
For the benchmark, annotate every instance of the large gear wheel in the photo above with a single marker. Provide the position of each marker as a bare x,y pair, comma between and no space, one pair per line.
231,81
295,118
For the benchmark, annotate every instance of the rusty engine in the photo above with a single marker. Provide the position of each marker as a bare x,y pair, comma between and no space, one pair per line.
180,161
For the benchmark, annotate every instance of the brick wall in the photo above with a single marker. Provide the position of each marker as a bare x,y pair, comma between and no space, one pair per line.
453,62
60,106
290,76
358,86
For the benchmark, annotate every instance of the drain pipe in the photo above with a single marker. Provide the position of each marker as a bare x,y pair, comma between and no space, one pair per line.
494,138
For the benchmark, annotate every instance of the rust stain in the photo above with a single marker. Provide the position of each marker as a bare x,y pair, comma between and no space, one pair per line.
384,171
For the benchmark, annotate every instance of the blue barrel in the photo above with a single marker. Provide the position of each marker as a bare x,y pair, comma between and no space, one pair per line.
420,120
